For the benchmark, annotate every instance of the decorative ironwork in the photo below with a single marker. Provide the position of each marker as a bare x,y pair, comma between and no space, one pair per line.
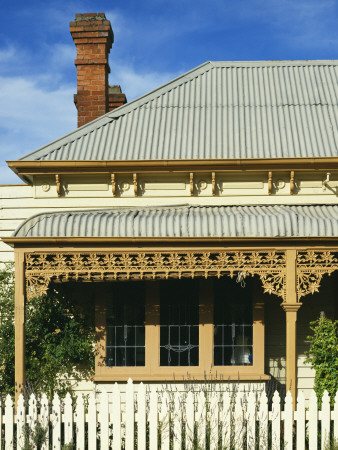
311,267
41,268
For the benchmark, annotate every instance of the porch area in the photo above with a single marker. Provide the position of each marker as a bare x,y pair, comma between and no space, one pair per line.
173,307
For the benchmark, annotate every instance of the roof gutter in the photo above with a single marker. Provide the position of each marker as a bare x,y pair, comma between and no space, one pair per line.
26,169
173,242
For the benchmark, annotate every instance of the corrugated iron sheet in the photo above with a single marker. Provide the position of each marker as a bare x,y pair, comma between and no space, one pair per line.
187,221
219,110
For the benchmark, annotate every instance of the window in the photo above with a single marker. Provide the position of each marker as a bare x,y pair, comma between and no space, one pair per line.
179,337
125,325
232,323
169,329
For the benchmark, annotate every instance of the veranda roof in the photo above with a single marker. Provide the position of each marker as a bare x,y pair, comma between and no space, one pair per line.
219,110
186,221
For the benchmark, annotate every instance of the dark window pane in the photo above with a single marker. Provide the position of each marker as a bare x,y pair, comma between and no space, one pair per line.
140,356
218,331
140,336
125,324
232,322
179,336
218,355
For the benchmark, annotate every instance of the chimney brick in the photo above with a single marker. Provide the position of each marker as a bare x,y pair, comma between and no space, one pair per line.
93,38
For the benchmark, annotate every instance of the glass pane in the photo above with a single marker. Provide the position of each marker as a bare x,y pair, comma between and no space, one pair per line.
179,336
232,322
125,324
140,356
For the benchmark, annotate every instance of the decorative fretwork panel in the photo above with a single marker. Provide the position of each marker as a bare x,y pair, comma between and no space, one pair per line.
312,265
41,268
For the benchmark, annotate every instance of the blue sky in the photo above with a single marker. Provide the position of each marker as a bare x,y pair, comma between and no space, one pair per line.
155,41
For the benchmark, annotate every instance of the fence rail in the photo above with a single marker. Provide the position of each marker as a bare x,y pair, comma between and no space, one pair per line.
197,418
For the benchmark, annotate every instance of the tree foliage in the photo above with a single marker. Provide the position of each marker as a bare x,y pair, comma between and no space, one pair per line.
323,355
60,337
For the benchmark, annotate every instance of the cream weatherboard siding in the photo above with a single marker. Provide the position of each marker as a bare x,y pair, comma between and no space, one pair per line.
17,203
311,308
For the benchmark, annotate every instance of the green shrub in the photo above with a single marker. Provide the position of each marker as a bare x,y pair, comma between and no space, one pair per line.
323,355
60,337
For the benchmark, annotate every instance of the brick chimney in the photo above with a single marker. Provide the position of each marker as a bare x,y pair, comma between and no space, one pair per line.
93,38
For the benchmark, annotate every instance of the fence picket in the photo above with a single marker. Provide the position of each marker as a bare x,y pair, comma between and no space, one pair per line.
239,422
234,414
56,422
177,426
189,421
8,421
226,420
335,417
300,421
129,439
141,414
80,421
263,421
313,421
288,422
165,422
32,416
201,419
68,418
117,441
275,422
1,422
326,416
92,421
20,423
251,421
214,420
104,420
44,418
153,419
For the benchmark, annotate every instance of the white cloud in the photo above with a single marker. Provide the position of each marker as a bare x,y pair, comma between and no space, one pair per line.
31,116
7,54
33,112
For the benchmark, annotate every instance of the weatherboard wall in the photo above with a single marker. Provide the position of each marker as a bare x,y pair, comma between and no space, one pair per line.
17,203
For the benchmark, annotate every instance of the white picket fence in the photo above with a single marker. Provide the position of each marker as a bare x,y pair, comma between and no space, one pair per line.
149,419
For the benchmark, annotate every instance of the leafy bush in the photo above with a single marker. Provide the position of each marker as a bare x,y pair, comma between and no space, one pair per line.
60,337
323,355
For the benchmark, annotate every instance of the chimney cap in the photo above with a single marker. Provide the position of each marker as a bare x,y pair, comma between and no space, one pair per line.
87,17
115,89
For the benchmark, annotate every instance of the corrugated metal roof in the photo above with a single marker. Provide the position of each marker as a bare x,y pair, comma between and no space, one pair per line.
187,221
221,110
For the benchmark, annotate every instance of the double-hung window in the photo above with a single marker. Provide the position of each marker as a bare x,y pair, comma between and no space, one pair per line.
169,329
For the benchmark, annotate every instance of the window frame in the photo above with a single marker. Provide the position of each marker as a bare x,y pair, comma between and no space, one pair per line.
152,371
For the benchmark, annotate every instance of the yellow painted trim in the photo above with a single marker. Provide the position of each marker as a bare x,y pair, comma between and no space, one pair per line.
19,317
262,242
152,371
273,164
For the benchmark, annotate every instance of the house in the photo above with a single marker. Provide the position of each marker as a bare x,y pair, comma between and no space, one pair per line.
204,214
